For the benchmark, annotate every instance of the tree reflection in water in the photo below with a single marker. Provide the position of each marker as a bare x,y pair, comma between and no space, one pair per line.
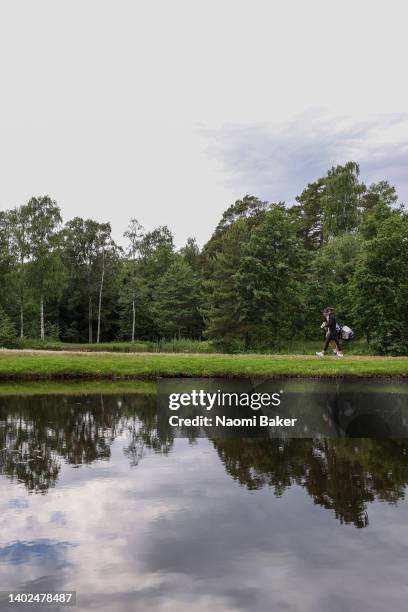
37,434
340,474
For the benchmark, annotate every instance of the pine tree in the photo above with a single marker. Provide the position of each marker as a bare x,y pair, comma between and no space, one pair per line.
220,291
176,302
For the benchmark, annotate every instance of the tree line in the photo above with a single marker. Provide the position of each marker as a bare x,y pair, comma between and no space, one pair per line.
261,279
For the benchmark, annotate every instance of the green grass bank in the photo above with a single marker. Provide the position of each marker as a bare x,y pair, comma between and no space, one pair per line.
58,365
183,345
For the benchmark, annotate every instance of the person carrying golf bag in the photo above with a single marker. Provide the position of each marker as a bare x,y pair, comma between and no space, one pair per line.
332,336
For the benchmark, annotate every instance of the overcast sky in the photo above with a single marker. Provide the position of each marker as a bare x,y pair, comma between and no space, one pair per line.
168,111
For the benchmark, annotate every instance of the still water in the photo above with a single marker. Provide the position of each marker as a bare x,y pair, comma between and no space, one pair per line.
93,498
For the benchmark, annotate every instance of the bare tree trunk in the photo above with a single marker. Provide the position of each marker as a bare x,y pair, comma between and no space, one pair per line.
90,316
100,297
90,311
42,319
133,319
22,297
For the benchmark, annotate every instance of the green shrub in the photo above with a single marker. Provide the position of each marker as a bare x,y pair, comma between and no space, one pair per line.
392,339
7,329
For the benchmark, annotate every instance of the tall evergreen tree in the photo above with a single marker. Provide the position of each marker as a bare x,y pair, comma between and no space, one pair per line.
309,213
221,311
177,300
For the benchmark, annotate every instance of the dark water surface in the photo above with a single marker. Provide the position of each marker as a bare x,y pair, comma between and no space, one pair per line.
94,499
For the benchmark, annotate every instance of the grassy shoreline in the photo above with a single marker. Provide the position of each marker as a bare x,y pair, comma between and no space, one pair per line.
48,365
294,347
77,387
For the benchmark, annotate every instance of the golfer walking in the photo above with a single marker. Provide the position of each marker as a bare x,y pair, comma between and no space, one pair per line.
330,324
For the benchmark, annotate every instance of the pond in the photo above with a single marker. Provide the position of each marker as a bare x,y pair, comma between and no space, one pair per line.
95,498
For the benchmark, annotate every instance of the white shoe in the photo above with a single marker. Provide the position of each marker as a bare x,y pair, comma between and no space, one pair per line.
340,355
320,354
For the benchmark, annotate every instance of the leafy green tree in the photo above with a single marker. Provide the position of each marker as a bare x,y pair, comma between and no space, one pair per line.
379,193
153,255
19,231
377,204
269,280
341,199
380,286
87,247
45,269
5,253
7,328
329,280
137,322
330,206
191,254
157,249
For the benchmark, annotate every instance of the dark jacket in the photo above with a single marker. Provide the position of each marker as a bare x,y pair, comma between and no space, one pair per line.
332,323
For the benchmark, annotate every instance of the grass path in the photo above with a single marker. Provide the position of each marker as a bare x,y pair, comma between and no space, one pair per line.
19,365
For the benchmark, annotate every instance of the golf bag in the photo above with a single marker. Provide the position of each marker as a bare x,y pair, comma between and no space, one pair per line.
346,333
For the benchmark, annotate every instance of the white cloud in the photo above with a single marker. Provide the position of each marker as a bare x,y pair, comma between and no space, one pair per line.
275,162
101,101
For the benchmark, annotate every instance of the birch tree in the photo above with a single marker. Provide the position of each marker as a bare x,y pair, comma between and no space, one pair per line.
105,246
19,231
134,234
98,335
86,242
44,219
5,251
